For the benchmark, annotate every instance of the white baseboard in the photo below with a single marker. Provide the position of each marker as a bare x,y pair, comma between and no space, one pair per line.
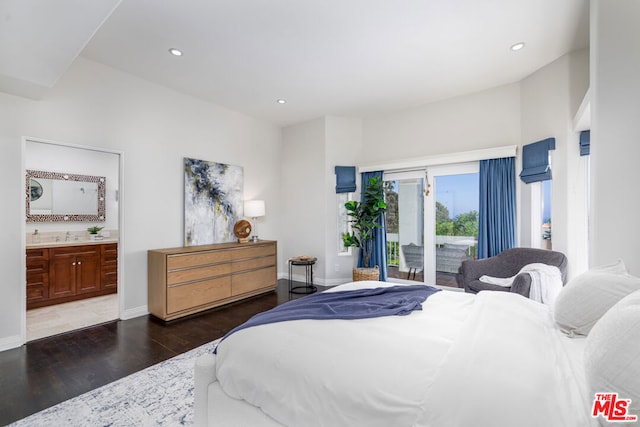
13,341
338,281
143,310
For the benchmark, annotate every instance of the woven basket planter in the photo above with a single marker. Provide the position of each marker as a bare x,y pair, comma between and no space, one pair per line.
360,274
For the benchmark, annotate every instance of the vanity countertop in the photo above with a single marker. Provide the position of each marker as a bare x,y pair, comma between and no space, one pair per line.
61,243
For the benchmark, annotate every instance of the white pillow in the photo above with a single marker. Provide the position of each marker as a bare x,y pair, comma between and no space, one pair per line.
583,301
612,353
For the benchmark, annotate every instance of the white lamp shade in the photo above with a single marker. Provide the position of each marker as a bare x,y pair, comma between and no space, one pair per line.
254,208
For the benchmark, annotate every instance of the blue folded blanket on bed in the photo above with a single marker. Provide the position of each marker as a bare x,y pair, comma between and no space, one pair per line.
358,304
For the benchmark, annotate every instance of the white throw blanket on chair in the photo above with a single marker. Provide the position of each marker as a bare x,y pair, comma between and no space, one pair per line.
546,282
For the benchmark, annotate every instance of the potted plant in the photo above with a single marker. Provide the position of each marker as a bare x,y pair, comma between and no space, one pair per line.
364,221
93,231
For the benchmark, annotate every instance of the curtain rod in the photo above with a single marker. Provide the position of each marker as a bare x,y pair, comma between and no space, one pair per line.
421,163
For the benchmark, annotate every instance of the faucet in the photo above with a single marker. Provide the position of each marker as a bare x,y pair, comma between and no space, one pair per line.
57,238
67,237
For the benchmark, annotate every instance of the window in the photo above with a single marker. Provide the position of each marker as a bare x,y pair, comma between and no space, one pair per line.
452,220
546,215
404,219
541,232
344,226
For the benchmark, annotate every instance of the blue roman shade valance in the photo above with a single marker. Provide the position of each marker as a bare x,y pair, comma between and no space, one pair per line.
585,142
535,161
345,179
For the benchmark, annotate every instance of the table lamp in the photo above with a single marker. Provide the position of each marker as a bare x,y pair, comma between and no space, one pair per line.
254,209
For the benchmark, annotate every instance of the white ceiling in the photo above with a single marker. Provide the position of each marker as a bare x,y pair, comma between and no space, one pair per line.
39,39
325,57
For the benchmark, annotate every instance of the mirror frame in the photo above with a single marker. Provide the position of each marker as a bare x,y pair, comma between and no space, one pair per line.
100,180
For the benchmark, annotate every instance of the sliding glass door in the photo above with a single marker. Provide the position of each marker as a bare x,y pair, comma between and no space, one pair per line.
432,222
452,221
404,194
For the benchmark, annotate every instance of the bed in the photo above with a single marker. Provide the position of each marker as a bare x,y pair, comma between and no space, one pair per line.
491,359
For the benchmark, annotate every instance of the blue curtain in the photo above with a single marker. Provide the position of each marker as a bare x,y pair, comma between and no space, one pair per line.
379,251
585,143
345,179
535,161
497,216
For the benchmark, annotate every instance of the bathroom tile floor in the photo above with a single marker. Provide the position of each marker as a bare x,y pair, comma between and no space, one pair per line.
56,319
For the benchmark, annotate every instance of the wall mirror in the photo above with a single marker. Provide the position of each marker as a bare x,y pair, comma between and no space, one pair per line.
61,197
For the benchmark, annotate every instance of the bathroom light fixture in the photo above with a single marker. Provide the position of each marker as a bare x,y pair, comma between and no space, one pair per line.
517,46
175,52
282,101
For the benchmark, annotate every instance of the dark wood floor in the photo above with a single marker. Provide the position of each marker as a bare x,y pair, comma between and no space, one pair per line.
46,372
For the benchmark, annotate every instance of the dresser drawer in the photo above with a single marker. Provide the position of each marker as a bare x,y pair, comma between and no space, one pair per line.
189,274
251,264
258,251
250,281
183,297
175,262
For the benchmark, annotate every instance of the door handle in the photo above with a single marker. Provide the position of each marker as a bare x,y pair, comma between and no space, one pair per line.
73,263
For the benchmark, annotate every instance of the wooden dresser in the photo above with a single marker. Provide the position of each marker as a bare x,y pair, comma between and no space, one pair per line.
187,280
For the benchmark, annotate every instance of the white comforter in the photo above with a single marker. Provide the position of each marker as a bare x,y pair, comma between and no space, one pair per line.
492,359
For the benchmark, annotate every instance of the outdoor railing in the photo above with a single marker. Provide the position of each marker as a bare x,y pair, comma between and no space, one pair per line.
393,246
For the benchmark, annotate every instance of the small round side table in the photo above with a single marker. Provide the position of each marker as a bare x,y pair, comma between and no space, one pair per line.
307,263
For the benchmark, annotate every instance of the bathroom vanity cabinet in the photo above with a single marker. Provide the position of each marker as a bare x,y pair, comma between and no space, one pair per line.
67,273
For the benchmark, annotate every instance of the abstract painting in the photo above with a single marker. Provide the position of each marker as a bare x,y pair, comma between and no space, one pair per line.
212,201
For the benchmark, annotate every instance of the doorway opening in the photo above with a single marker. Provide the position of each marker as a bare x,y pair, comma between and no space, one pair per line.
431,222
72,225
404,220
453,221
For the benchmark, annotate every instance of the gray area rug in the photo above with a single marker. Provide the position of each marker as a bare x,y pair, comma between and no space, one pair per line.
160,395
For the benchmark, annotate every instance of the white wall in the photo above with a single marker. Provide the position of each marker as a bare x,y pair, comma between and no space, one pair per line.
343,147
302,224
481,120
311,150
550,100
615,134
155,128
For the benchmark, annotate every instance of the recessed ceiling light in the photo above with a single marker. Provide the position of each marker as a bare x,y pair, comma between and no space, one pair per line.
175,52
282,101
517,46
